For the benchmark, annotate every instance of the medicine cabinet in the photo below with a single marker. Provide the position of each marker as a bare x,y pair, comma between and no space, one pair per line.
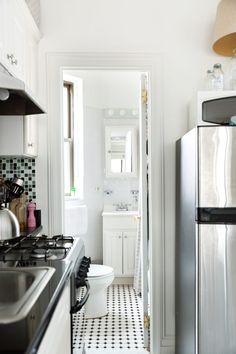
121,151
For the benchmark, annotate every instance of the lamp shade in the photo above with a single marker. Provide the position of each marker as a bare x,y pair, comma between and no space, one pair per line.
225,28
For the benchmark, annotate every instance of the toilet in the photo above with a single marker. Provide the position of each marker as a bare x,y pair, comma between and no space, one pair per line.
99,278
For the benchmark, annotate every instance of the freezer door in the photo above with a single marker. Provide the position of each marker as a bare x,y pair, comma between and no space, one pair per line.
217,289
217,166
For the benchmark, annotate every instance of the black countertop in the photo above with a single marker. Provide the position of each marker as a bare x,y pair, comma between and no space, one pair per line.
57,285
22,338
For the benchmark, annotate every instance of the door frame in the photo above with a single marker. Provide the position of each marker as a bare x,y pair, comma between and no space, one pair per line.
150,63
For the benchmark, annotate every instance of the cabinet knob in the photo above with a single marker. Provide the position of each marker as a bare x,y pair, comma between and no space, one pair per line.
119,236
14,61
125,236
30,144
10,56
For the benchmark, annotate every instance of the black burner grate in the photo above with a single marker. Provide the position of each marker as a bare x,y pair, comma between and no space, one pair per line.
26,248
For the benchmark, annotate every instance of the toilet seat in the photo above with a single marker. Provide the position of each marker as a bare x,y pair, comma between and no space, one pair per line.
99,271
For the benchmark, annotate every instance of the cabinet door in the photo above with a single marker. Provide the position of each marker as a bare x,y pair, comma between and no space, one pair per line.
3,32
129,244
30,136
15,45
112,254
31,61
57,339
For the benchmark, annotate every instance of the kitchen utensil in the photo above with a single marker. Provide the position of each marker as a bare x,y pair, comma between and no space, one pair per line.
9,225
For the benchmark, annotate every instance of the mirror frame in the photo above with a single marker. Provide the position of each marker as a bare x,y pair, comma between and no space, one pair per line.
134,148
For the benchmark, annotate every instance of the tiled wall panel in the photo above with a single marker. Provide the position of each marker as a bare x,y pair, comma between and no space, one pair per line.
23,168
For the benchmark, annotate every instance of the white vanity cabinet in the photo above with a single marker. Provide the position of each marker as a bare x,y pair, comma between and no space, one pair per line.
119,242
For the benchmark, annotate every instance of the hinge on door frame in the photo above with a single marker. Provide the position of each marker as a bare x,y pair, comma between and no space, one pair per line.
146,321
144,96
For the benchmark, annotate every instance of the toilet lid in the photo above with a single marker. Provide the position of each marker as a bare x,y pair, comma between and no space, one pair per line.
98,270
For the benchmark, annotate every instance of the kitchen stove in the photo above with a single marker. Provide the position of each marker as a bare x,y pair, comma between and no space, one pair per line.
60,252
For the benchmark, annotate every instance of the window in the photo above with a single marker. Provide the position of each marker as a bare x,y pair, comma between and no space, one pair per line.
73,136
68,128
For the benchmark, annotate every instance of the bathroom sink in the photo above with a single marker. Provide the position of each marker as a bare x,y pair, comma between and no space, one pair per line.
120,213
20,289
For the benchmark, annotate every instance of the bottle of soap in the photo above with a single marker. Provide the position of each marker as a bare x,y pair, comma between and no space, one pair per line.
31,221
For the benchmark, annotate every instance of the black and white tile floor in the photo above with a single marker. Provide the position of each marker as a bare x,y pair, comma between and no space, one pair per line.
120,330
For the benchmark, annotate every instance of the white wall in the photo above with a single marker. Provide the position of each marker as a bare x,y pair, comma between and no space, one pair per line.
109,89
182,32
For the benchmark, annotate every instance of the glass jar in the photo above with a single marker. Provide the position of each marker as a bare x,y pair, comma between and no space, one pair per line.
209,80
218,73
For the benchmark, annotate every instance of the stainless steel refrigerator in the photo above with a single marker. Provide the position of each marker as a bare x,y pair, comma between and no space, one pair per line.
206,241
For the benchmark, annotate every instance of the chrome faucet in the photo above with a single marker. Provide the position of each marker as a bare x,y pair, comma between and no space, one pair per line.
121,206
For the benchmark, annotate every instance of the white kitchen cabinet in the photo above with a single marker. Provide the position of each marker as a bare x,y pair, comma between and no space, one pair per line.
18,136
119,243
19,37
30,136
15,46
3,30
57,339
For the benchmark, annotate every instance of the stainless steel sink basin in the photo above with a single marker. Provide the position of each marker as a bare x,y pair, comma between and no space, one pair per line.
19,290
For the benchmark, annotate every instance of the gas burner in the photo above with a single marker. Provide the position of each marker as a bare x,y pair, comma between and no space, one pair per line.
41,253
42,248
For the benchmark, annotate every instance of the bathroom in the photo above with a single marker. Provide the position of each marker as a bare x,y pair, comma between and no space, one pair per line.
103,195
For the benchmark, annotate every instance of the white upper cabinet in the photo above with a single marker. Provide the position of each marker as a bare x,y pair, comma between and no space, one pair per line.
19,37
14,53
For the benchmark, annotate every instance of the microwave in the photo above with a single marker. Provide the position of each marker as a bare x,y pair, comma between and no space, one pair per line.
213,108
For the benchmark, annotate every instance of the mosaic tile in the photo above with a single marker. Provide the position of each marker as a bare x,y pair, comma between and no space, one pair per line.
23,168
121,328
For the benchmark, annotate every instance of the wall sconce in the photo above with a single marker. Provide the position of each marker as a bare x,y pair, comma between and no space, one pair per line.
224,41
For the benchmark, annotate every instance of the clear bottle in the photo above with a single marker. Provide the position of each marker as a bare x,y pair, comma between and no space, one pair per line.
209,80
218,77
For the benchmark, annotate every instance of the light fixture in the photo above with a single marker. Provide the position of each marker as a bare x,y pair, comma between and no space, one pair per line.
224,41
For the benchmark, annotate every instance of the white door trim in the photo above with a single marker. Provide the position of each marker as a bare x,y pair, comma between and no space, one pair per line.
143,62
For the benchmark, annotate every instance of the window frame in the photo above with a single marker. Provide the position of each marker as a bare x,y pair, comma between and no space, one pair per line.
78,136
70,139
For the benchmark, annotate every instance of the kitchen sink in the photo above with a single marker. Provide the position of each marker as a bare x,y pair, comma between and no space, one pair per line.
20,289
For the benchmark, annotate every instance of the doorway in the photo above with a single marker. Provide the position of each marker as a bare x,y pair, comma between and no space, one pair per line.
105,137
144,62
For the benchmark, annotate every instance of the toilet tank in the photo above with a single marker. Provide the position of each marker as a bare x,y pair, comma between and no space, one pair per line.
76,219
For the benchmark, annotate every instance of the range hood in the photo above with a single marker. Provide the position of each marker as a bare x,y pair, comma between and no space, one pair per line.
15,98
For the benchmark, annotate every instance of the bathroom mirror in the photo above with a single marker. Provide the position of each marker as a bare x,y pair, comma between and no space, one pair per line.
121,151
